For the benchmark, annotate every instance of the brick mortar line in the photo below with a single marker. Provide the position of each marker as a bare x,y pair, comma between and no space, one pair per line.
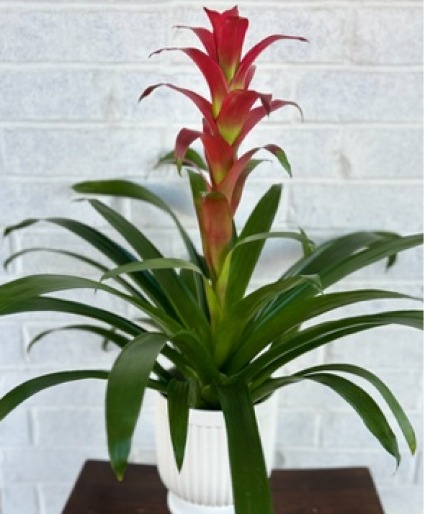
294,125
28,367
96,408
146,447
290,4
2,147
170,67
45,231
70,447
325,409
403,282
286,181
341,181
355,181
369,283
83,7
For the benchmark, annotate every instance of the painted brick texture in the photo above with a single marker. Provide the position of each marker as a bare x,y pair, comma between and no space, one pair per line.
70,77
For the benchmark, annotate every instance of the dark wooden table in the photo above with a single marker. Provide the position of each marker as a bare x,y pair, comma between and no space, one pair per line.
307,491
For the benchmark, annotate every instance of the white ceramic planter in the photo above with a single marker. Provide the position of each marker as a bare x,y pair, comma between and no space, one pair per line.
204,486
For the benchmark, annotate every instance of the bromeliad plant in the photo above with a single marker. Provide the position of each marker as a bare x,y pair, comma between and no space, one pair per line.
224,345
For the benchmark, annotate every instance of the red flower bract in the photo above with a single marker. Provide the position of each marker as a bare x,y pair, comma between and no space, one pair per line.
229,34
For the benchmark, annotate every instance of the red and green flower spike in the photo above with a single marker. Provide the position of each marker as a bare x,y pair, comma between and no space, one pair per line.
228,116
216,222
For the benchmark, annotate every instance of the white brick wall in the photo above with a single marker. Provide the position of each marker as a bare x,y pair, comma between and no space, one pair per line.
70,76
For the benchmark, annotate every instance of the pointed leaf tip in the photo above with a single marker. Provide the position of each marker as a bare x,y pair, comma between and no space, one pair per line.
128,379
279,153
148,91
119,474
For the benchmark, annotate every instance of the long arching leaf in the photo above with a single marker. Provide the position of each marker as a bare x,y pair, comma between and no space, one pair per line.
106,333
342,261
246,257
192,159
292,346
255,239
25,288
115,252
246,312
25,390
342,256
183,303
127,189
374,253
333,251
387,395
365,406
48,304
272,324
87,260
127,383
178,394
196,353
152,264
251,490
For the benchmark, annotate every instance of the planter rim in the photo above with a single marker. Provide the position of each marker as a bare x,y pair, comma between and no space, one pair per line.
214,418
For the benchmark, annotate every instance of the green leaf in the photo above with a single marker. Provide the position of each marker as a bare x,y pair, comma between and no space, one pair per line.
34,285
281,157
376,252
364,405
22,224
251,490
275,321
178,394
251,304
25,390
25,288
252,164
192,158
273,235
230,332
291,346
174,290
73,255
106,333
340,257
152,264
245,257
333,251
43,304
308,245
127,383
387,395
107,247
197,354
127,189
198,188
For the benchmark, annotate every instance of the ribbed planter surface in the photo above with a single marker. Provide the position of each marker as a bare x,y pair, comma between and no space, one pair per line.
205,476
